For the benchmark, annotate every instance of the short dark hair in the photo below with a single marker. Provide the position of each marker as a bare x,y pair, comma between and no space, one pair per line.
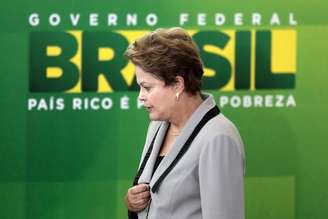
168,53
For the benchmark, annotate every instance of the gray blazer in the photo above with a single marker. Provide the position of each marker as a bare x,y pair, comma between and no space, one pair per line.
207,182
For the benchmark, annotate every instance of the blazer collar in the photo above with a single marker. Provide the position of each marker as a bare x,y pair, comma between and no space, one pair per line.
148,170
192,122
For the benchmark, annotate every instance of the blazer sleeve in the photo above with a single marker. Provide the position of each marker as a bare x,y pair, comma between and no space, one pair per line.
221,174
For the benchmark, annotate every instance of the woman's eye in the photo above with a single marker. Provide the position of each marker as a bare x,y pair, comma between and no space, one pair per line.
147,88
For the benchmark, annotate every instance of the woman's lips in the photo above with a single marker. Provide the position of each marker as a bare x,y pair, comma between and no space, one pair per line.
148,108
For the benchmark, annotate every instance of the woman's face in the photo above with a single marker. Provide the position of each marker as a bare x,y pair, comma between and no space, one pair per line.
159,100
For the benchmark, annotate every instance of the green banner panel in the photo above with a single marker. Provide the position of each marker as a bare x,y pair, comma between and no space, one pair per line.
72,128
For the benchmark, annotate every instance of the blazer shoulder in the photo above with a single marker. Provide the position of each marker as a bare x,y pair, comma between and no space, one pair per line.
221,131
220,125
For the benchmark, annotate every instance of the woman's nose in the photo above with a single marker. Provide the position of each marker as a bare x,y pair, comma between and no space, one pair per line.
141,95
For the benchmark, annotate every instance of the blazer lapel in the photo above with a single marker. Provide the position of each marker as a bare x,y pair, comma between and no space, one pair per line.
181,139
146,175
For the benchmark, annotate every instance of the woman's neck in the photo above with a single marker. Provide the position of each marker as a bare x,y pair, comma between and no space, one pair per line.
187,105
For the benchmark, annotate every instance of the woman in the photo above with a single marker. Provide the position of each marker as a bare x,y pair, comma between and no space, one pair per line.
192,165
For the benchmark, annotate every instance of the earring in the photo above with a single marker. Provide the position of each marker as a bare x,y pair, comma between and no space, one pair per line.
177,96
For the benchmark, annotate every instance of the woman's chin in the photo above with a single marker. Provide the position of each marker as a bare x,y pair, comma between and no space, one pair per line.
154,117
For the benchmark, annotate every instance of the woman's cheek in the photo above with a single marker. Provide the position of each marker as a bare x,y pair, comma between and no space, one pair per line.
153,98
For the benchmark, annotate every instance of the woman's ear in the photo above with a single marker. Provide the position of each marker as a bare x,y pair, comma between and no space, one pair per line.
179,85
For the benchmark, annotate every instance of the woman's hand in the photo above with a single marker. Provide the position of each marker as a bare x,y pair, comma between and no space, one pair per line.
137,197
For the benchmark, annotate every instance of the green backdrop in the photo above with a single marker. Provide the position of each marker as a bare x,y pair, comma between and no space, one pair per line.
63,161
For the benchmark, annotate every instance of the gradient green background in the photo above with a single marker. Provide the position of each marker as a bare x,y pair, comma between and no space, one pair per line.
79,164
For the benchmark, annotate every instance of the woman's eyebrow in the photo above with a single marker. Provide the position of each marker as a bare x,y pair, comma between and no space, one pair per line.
143,83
